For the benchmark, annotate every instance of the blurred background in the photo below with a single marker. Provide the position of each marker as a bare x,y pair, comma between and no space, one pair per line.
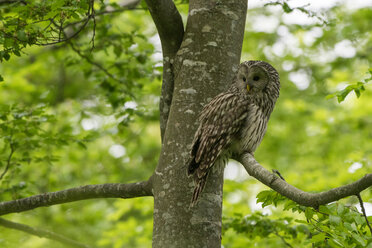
77,115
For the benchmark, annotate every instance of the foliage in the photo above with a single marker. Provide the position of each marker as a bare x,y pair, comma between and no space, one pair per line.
123,52
83,110
357,88
288,9
97,107
332,225
27,136
259,226
316,144
26,24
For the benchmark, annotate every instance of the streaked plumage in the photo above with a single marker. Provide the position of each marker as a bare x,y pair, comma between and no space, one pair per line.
234,121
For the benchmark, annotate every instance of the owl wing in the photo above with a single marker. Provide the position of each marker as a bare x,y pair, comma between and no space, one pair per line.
220,120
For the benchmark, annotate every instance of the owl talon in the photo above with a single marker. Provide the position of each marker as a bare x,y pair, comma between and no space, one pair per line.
278,174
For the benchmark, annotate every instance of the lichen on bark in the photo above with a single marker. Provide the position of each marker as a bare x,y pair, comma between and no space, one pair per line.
203,67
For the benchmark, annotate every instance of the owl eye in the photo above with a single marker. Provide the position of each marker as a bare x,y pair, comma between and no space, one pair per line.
244,79
256,78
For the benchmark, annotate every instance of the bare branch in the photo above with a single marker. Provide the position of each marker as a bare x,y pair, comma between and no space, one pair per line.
42,233
283,239
94,25
131,5
8,162
169,24
364,211
60,29
92,62
91,14
12,1
255,170
109,190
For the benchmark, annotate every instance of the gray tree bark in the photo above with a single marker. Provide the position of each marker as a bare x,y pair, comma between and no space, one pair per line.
108,190
203,67
307,199
169,24
199,63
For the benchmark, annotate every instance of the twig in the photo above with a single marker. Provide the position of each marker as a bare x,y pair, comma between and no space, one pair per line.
89,60
282,238
364,211
42,233
12,150
61,29
107,12
93,14
13,1
278,173
51,21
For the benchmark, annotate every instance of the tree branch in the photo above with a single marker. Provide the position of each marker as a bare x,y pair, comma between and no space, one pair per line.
109,190
283,239
169,24
364,212
94,63
41,233
61,30
12,1
255,170
12,150
131,5
91,15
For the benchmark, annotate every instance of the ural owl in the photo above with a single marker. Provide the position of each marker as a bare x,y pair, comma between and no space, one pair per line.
234,121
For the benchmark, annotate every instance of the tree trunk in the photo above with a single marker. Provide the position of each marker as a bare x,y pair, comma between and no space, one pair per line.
203,67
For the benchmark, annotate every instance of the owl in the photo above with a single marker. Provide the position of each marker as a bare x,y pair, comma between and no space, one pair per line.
235,121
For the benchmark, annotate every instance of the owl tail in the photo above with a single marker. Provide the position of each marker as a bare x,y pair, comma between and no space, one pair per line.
199,186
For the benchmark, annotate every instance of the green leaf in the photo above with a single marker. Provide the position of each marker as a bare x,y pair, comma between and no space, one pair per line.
335,220
1,78
6,56
16,52
302,222
8,42
309,212
330,96
324,209
351,227
334,242
81,144
358,219
340,209
357,92
21,35
359,239
118,50
286,8
318,237
262,196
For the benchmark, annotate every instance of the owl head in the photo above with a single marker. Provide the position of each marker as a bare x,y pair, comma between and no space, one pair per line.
258,78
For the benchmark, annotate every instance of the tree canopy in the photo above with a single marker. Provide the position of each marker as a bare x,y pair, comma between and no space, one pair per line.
79,94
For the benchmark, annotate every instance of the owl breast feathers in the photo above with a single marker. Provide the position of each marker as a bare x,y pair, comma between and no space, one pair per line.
234,121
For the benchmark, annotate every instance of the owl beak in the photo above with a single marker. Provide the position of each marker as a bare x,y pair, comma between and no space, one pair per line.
248,87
